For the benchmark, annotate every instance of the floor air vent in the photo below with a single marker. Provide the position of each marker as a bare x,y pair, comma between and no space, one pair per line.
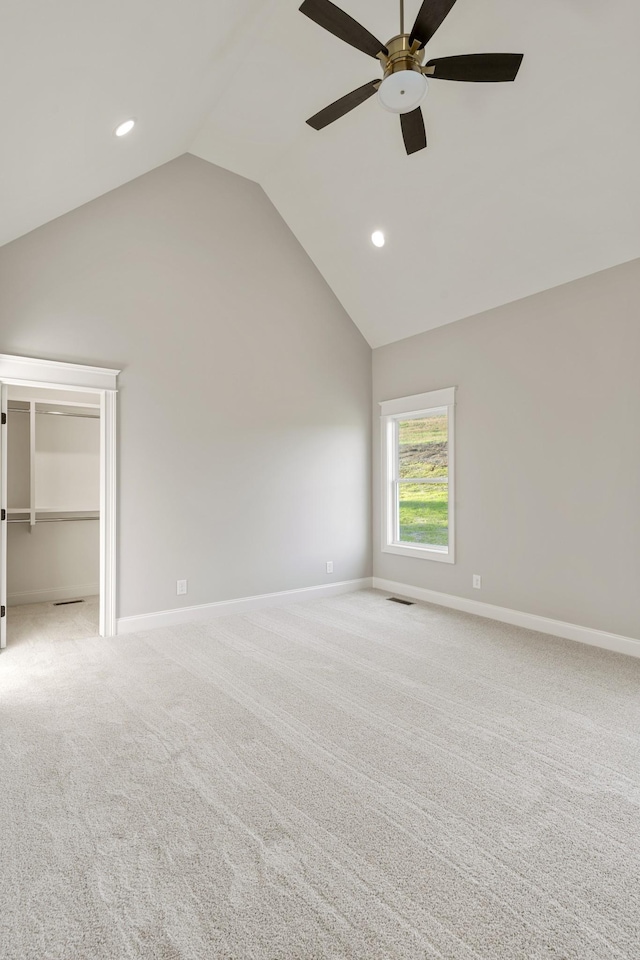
64,603
407,603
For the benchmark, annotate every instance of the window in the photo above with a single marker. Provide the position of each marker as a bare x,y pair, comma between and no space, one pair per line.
418,491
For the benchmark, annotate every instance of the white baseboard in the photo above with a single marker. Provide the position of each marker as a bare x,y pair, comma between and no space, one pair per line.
53,594
225,608
531,621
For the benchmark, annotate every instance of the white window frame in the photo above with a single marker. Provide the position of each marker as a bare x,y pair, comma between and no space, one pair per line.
407,408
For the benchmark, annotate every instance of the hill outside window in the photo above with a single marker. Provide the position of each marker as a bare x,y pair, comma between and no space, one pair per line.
418,475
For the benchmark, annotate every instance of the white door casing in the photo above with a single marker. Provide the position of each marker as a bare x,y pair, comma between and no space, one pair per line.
33,373
4,506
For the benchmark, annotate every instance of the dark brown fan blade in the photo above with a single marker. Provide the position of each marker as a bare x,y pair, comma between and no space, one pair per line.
477,67
338,109
415,137
341,25
430,16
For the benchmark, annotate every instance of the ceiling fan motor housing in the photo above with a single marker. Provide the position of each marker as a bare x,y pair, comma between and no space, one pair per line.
402,55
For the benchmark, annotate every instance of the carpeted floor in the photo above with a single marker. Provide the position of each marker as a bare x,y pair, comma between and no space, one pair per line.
38,622
347,778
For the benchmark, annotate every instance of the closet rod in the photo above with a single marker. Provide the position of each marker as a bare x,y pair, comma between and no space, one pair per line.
51,519
56,413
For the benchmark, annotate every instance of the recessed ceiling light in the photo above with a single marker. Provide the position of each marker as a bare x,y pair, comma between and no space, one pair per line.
125,128
377,238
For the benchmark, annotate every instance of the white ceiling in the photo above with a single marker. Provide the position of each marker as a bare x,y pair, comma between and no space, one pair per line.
72,70
523,186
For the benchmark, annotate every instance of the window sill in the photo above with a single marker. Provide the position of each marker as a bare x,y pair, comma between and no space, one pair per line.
441,554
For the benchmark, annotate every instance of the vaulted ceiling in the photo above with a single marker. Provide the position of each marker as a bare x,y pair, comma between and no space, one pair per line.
523,186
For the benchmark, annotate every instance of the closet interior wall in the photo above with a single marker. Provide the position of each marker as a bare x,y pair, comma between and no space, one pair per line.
53,533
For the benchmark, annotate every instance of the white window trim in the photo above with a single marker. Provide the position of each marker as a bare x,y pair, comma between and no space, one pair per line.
405,408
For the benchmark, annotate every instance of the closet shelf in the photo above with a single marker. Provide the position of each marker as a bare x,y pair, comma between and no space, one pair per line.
52,519
58,510
54,460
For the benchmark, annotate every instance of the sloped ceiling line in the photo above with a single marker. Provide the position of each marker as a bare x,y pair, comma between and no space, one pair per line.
523,186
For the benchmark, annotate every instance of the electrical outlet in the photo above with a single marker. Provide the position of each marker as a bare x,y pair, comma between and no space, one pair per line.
181,587
329,566
477,581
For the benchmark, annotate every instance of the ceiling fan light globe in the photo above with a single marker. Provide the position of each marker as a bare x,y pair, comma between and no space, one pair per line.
403,91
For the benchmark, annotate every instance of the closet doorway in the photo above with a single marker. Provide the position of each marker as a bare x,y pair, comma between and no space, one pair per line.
57,492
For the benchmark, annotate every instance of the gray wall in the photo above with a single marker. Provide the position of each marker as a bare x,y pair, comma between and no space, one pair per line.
548,451
244,444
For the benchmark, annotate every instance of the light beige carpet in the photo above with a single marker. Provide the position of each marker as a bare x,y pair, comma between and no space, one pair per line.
38,622
347,778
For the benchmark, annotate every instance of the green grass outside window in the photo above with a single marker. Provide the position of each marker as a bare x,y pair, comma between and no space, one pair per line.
423,508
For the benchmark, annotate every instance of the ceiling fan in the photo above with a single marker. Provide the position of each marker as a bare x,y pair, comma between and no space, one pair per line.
404,81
